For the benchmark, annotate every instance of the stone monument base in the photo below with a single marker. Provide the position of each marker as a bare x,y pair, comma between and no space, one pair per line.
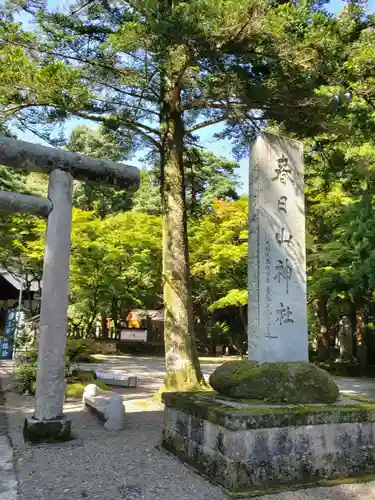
46,431
252,447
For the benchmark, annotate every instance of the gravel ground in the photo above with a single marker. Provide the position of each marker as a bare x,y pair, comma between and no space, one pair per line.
101,465
120,466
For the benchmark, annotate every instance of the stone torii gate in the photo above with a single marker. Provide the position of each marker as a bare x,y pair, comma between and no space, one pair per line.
48,423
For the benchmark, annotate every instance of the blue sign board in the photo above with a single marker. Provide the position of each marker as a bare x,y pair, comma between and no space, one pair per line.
6,349
6,343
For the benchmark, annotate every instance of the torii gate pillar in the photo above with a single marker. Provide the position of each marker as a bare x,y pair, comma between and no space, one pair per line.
48,423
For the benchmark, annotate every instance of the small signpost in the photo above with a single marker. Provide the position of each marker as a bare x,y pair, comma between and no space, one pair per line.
47,423
133,335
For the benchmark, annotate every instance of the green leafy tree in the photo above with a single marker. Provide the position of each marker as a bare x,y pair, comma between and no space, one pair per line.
148,199
26,85
327,287
207,178
340,180
162,70
22,248
218,247
115,265
21,236
98,143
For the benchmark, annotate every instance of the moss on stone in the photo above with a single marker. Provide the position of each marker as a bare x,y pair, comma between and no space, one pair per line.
184,379
79,379
83,376
257,416
362,399
319,483
47,431
293,383
75,390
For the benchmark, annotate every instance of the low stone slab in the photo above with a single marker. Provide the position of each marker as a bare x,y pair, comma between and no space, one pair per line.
254,447
116,379
108,406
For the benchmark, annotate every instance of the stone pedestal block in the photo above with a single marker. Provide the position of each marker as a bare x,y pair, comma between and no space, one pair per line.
252,447
46,431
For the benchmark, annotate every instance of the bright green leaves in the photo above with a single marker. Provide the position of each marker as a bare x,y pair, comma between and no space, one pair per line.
130,36
115,260
234,298
218,247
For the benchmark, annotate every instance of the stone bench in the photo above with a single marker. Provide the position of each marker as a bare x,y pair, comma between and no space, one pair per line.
107,405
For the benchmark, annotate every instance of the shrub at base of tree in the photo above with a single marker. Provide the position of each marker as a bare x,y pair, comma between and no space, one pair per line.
25,377
82,351
77,351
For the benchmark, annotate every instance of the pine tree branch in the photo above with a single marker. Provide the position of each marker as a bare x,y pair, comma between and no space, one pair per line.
36,133
207,123
135,106
65,56
135,126
82,7
129,93
254,119
204,104
20,107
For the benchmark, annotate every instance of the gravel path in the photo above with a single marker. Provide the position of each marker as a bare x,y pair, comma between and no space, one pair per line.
8,479
101,465
121,466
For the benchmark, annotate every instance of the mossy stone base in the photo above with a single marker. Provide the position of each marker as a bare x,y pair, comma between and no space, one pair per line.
250,446
294,383
47,431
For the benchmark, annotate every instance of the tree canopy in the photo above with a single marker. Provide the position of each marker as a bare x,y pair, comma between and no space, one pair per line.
152,74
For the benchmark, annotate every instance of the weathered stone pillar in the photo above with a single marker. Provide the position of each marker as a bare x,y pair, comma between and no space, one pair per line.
50,386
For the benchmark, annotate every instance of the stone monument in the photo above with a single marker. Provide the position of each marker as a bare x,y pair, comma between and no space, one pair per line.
275,420
47,423
277,316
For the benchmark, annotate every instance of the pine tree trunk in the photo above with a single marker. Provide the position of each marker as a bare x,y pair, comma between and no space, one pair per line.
182,365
